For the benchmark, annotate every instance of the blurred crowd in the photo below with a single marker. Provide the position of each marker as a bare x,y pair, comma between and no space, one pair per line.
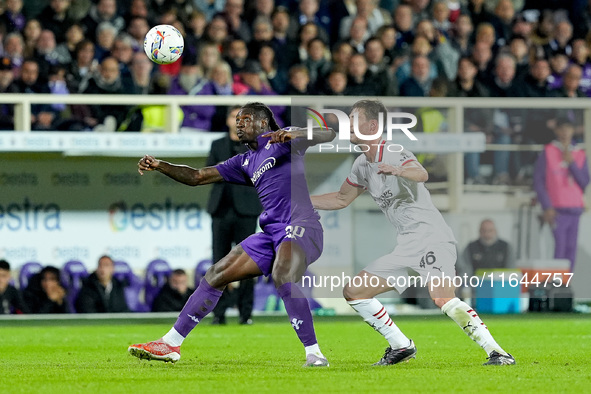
467,48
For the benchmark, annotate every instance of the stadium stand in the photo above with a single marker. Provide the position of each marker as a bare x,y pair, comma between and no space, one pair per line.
73,272
26,272
157,273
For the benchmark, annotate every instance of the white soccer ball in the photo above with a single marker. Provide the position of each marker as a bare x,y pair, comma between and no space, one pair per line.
164,44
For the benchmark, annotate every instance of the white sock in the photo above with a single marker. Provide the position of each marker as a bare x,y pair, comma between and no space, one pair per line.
470,322
374,314
173,338
315,350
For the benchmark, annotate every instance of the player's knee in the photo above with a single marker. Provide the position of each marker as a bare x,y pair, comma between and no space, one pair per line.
348,292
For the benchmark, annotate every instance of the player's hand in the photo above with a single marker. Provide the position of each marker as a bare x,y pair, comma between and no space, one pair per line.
550,216
567,156
283,135
147,163
387,169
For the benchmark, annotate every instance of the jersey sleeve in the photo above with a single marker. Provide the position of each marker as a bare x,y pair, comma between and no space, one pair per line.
399,158
355,178
231,171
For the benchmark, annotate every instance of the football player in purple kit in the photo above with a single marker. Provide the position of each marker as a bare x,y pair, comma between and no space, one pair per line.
291,239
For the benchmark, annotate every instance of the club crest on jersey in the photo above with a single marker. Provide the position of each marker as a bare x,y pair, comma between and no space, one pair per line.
267,164
245,162
385,200
268,146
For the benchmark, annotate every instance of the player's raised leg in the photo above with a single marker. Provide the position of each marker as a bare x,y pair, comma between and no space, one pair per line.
289,266
467,318
235,266
361,298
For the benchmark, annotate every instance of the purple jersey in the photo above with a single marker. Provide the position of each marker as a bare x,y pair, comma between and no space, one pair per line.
277,172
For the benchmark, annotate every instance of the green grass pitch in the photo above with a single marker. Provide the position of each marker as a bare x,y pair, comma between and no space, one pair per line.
552,353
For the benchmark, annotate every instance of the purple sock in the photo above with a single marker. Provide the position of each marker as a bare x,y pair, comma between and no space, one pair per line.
298,310
201,302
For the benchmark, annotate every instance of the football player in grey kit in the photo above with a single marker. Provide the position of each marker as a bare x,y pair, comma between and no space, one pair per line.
395,180
291,237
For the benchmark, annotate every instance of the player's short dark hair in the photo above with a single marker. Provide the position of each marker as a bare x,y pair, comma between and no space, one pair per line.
261,111
4,265
371,108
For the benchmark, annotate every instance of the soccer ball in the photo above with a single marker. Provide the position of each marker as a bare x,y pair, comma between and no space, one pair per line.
164,44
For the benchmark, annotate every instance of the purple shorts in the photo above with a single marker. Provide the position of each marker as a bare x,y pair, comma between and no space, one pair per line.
261,247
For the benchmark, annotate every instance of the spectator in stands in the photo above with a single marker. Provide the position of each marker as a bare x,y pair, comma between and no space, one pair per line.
138,9
192,82
368,10
45,294
482,56
7,86
141,73
42,115
237,26
46,54
336,82
11,300
234,210
277,77
488,251
299,81
317,62
13,17
571,82
14,49
442,55
123,50
216,31
82,69
101,292
260,8
360,80
420,47
478,13
580,56
236,54
262,33
210,7
545,29
419,82
195,30
106,81
55,17
341,55
558,65
461,38
560,178
380,70
358,34
66,50
137,29
501,83
505,13
209,56
387,36
174,294
561,41
440,18
309,12
30,36
282,41
222,84
106,33
102,11
520,51
306,33
404,24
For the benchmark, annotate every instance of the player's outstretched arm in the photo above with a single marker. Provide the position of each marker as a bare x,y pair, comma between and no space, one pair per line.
337,200
413,171
180,173
319,135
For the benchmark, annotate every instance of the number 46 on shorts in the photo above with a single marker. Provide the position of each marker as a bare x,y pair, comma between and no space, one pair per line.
428,259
